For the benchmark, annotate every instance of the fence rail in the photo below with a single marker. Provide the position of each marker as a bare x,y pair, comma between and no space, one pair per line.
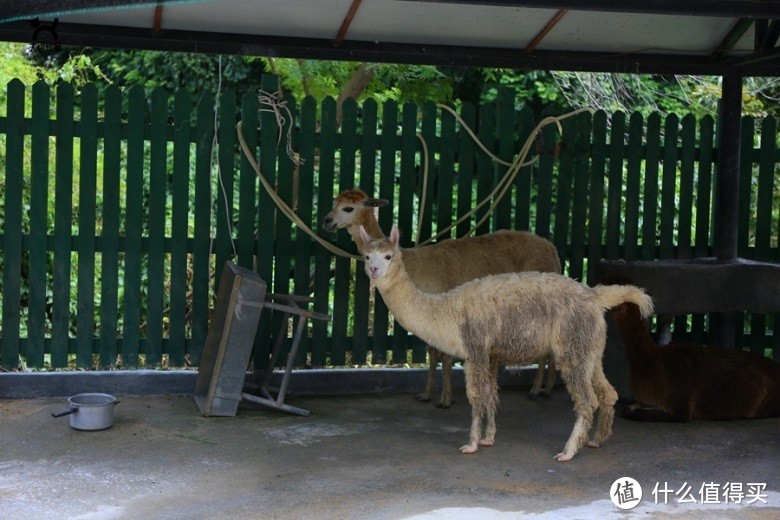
119,206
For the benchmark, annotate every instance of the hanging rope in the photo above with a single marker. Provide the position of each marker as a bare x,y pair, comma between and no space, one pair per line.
288,212
500,189
505,183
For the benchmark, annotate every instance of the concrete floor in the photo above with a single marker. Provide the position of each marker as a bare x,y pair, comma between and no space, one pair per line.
378,456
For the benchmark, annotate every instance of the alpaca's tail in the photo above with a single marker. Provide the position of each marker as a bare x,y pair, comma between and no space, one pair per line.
613,295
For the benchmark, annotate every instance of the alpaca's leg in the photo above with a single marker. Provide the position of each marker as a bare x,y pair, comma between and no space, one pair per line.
433,361
551,376
492,404
579,383
477,375
607,397
446,381
538,378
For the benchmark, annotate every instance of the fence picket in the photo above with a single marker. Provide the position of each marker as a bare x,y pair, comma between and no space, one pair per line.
466,161
85,305
428,133
342,282
109,251
304,196
406,193
134,196
650,201
596,203
505,134
565,179
201,268
368,163
389,144
63,218
704,187
523,180
12,224
158,188
319,348
685,210
633,166
615,184
39,201
744,228
485,165
580,197
668,187
544,181
224,246
446,176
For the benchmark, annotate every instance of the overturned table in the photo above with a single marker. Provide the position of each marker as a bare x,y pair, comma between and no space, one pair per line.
222,372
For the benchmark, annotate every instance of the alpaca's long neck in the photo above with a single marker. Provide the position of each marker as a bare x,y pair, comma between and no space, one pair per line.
369,223
639,344
422,314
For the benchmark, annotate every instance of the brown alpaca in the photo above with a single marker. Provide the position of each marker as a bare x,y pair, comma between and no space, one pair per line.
465,259
681,382
510,318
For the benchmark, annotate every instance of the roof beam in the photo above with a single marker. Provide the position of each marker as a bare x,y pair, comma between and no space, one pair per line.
769,39
10,11
731,39
352,50
721,8
347,22
546,30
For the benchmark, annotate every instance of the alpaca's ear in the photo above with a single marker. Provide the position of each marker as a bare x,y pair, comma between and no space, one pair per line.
365,236
394,235
376,203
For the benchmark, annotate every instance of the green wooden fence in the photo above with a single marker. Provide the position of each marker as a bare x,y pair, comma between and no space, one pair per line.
118,208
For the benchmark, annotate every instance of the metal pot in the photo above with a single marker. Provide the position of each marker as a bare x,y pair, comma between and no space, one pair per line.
90,411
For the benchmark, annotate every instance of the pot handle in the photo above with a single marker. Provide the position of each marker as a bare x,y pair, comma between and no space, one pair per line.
66,412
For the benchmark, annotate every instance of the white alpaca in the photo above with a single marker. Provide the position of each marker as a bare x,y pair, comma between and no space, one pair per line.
511,318
442,266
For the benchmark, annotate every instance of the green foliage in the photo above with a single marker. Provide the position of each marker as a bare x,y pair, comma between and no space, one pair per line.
320,79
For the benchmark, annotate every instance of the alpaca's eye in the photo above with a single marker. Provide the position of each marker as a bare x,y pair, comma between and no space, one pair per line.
388,257
348,209
366,257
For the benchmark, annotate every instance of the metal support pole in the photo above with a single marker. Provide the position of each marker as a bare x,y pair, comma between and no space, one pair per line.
727,202
727,191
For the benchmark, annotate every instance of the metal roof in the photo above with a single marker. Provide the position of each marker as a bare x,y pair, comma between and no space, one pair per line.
654,36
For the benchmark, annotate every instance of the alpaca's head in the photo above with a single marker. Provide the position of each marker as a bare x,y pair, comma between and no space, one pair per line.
381,255
351,208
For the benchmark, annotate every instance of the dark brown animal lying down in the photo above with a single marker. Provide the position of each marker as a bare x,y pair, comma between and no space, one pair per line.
681,382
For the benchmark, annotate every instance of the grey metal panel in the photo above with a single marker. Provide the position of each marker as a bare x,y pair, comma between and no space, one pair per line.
229,342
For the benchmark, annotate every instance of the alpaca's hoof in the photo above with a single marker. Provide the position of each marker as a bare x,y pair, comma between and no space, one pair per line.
563,457
422,398
593,444
540,393
486,442
468,449
443,406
